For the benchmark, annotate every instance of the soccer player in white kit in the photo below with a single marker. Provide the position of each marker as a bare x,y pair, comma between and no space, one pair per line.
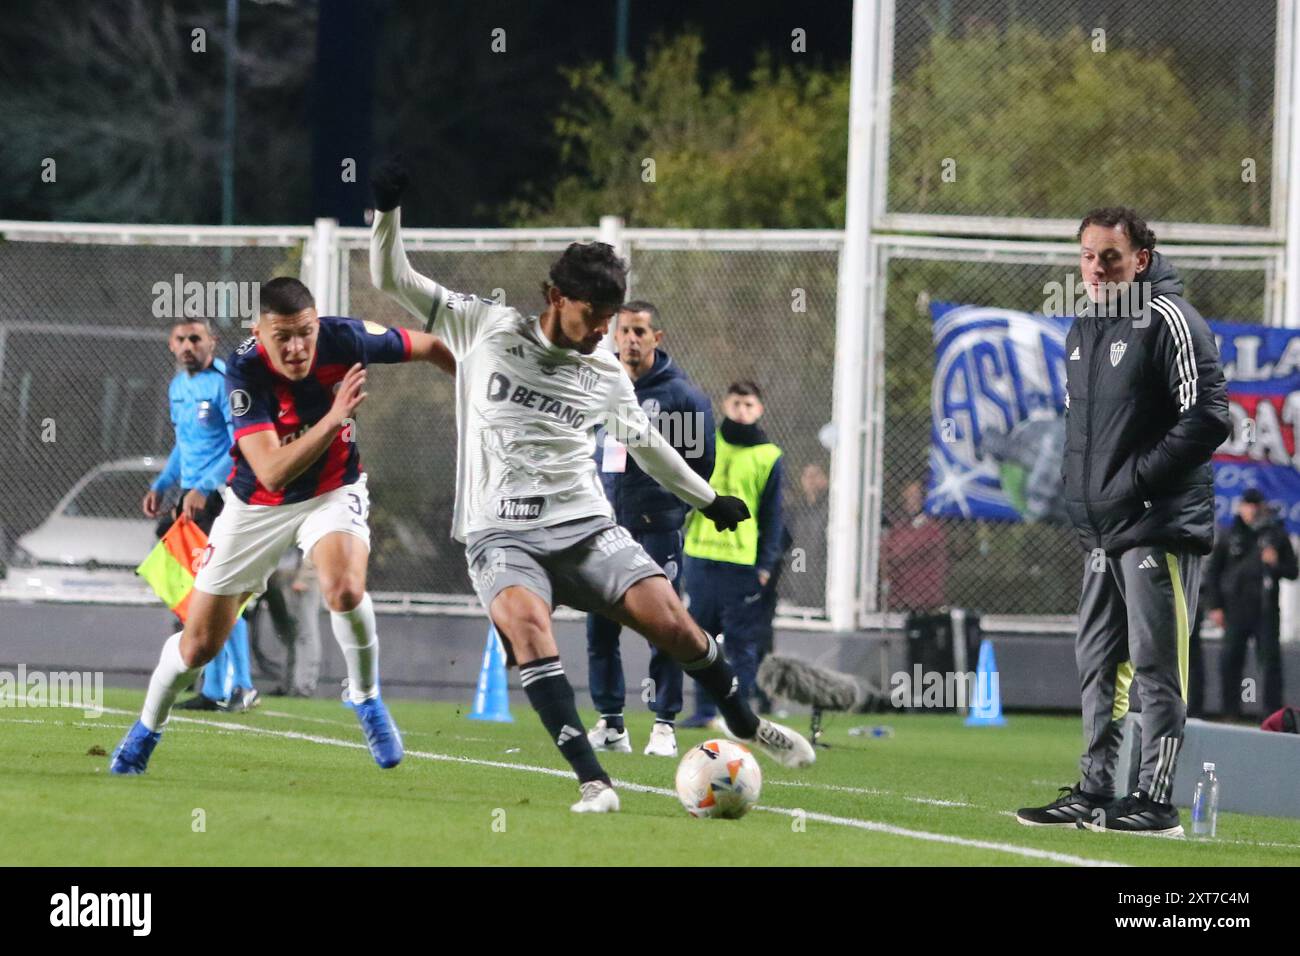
538,529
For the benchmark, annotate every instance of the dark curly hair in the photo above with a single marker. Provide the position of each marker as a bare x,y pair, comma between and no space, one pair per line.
590,272
1135,227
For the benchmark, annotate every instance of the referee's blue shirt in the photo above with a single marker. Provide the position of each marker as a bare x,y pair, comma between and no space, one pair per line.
200,413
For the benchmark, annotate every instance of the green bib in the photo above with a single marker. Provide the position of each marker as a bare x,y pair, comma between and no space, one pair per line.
740,470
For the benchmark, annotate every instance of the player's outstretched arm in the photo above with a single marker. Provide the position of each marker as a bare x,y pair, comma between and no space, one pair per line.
277,465
390,270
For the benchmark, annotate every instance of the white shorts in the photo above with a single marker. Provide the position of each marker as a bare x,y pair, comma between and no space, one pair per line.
247,541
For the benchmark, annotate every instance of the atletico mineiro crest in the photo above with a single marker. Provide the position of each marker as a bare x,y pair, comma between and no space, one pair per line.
586,378
1116,352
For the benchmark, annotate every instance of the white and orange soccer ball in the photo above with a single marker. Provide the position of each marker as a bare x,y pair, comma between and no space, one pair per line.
719,778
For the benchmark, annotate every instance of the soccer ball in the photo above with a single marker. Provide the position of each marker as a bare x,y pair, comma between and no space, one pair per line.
718,779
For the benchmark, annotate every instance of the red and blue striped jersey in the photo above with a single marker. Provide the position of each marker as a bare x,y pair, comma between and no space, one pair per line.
263,400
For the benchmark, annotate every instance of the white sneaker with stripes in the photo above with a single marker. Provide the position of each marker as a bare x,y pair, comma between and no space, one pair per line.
597,797
787,747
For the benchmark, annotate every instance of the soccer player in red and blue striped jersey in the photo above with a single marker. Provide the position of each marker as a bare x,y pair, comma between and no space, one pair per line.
297,479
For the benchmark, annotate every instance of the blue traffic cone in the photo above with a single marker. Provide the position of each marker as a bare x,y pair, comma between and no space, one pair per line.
986,708
491,702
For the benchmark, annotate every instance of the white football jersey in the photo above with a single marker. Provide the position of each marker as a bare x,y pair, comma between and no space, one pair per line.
526,410
526,417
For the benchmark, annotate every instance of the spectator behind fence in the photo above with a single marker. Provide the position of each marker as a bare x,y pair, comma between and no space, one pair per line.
805,582
1248,561
915,562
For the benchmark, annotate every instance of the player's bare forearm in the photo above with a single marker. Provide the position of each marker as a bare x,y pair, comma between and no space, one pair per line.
277,465
430,348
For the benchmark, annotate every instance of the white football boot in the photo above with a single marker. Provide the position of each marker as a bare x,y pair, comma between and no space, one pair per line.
662,742
597,797
603,738
787,747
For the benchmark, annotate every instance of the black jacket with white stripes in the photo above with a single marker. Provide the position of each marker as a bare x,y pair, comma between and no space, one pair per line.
1147,406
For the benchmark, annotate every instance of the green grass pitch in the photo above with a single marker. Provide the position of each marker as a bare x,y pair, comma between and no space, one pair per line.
291,784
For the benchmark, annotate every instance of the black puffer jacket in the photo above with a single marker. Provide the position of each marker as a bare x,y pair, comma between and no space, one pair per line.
1147,407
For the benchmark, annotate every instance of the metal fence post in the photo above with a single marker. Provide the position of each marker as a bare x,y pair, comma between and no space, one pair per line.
320,265
1288,178
855,281
611,231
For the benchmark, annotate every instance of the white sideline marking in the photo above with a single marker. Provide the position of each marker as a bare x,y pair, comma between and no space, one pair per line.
871,791
352,723
870,825
222,726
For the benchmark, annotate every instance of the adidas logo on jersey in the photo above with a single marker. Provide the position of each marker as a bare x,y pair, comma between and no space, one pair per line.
1149,562
1074,356
516,350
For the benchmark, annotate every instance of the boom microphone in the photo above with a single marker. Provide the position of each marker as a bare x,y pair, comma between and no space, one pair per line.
818,687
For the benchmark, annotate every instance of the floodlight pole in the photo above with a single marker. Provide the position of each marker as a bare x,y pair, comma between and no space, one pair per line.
228,126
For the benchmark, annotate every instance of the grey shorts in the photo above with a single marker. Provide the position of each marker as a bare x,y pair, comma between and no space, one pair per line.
587,564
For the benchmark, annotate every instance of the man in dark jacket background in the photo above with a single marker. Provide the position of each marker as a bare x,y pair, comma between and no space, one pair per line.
1243,573
1146,407
653,515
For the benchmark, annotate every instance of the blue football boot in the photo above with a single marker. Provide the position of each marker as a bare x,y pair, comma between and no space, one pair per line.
382,735
131,756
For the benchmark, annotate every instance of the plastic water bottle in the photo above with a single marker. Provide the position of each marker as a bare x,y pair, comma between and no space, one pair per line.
1205,803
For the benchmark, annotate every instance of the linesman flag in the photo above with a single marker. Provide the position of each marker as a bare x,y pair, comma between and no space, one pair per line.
172,564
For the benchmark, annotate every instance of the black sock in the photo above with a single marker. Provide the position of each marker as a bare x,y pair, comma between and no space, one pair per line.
551,695
614,722
715,675
668,722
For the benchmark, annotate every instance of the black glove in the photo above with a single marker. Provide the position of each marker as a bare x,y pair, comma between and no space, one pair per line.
388,182
726,512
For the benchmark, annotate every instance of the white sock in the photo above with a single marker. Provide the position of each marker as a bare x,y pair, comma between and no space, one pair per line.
170,677
355,632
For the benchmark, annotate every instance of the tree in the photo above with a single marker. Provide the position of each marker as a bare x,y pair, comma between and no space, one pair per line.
1043,126
769,155
131,112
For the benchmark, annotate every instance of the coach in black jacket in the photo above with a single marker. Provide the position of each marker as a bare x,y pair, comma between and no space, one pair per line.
1241,589
1146,408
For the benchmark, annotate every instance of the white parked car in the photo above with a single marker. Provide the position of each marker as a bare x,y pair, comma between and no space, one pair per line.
89,546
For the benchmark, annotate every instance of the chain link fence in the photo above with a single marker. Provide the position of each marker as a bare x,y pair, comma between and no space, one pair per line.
733,307
84,363
973,396
1035,111
84,366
